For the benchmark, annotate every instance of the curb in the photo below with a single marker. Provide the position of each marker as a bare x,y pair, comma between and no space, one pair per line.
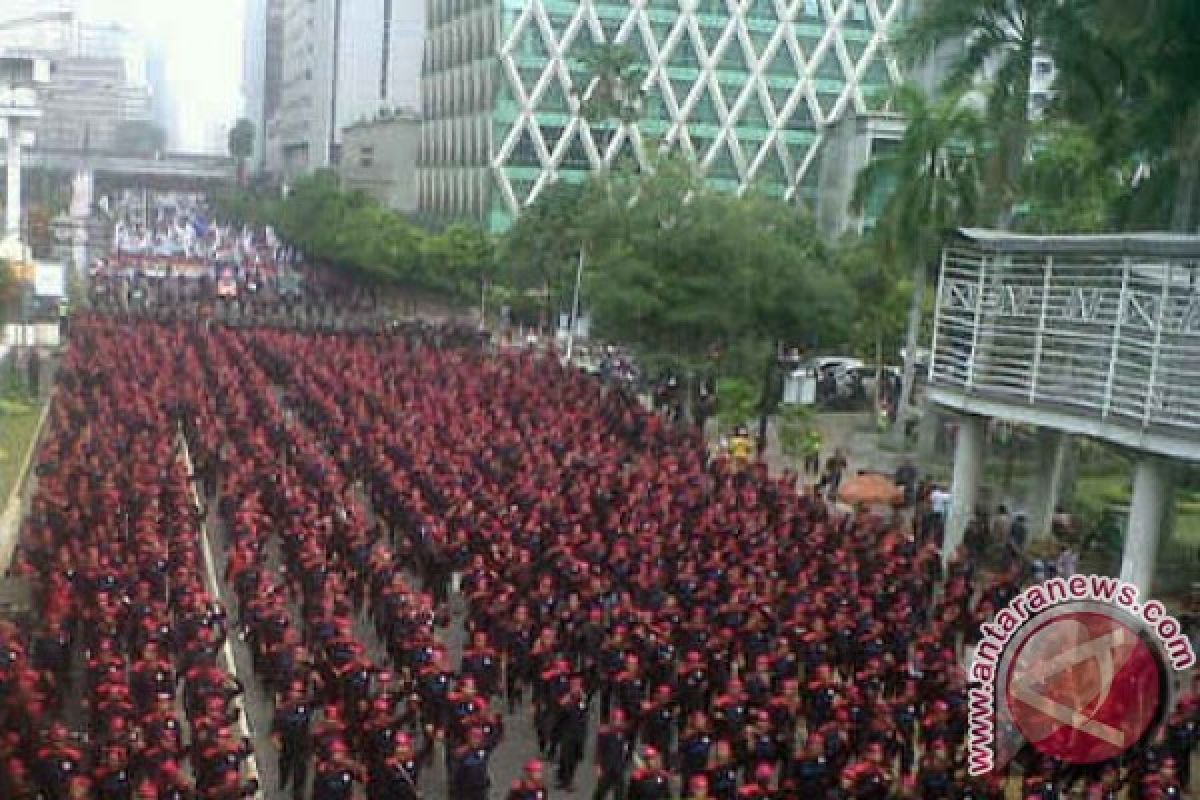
10,520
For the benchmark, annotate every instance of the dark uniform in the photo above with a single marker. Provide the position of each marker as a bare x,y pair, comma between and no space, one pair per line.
528,790
394,779
291,724
469,777
612,757
650,784
572,733
333,782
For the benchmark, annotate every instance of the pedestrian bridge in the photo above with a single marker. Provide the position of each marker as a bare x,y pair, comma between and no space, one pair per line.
169,168
1095,336
1091,335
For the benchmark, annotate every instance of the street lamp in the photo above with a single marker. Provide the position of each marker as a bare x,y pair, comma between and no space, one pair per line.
628,110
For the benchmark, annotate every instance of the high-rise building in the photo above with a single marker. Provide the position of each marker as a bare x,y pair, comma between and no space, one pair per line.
747,88
262,69
162,99
343,62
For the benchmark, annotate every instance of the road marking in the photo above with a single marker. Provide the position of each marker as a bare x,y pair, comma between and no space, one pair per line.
214,589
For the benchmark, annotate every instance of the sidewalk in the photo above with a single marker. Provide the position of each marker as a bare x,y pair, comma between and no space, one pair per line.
851,432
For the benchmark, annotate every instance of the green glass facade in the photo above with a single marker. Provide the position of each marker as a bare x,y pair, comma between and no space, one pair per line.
747,88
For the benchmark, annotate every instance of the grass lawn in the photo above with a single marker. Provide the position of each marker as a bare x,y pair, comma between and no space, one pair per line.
18,420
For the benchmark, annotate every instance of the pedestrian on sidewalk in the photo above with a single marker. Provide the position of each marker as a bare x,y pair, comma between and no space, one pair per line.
812,452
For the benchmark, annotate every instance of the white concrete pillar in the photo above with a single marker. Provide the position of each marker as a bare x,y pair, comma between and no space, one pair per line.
81,195
968,471
1152,492
12,206
1053,447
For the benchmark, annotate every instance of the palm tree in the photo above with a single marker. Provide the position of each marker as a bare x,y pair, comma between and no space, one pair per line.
1140,94
998,40
934,180
613,91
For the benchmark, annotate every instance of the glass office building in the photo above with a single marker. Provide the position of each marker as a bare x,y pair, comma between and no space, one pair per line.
747,88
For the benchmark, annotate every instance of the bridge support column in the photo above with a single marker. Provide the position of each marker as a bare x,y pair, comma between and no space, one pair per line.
969,446
81,194
1152,492
11,248
1053,447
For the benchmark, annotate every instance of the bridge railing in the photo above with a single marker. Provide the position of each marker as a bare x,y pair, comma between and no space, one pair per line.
1105,328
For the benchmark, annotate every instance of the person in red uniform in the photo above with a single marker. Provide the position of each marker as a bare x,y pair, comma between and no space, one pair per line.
531,785
650,781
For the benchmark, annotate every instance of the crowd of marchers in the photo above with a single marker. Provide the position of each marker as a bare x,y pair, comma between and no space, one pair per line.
679,625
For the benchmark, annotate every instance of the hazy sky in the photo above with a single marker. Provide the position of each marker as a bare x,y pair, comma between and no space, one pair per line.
202,40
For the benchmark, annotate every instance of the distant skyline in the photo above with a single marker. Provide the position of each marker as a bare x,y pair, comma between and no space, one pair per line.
202,43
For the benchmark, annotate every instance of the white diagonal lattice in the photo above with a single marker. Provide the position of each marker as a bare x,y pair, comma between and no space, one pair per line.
747,87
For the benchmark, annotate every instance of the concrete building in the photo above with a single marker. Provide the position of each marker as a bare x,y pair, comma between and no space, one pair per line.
88,105
342,63
1041,85
20,80
851,144
748,89
50,25
379,157
97,84
262,70
1089,336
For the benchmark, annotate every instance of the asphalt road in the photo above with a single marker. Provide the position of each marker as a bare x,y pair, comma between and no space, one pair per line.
518,746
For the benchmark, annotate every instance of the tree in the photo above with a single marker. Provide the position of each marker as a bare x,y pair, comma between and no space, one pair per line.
540,248
936,175
998,40
9,290
1138,91
882,290
459,260
613,93
241,145
677,268
1066,187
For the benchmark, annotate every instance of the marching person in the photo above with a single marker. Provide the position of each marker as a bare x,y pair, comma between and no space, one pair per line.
531,786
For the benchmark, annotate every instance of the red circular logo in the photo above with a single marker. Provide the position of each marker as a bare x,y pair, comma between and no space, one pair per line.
1084,687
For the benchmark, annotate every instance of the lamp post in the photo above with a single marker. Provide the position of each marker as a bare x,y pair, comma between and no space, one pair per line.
573,321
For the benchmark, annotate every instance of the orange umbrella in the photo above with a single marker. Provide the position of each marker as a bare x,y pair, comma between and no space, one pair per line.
870,489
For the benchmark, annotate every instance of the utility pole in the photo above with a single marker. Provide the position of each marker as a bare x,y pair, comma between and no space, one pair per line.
574,307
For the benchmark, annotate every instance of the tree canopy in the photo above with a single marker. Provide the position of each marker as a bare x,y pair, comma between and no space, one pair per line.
677,269
351,231
241,139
